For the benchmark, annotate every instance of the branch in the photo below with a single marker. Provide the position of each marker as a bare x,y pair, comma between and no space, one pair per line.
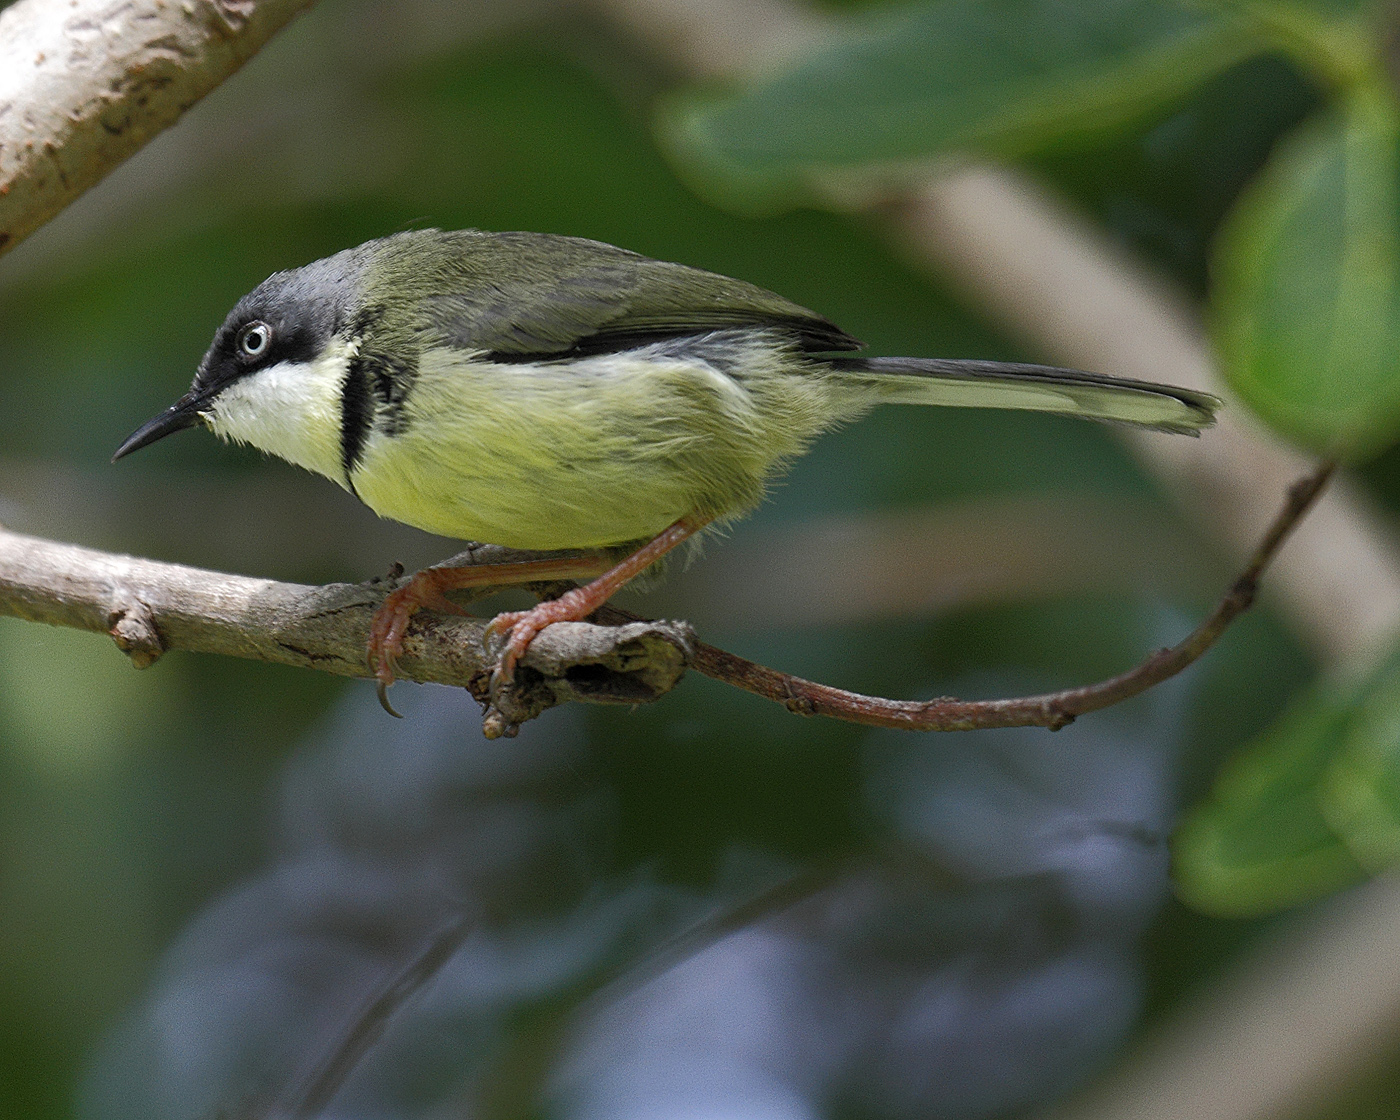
308,1098
1052,709
86,83
149,607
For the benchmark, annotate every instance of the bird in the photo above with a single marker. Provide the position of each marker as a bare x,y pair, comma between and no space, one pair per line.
547,392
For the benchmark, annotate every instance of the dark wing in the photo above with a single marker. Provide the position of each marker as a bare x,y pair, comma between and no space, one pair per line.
522,295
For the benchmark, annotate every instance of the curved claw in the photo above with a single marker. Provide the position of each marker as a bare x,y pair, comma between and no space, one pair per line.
381,663
387,631
382,690
520,628
503,623
516,644
385,644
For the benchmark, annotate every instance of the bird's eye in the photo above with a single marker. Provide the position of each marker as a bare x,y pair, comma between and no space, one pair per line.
254,339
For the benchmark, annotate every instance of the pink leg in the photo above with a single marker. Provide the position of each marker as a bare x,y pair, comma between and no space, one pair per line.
576,605
428,588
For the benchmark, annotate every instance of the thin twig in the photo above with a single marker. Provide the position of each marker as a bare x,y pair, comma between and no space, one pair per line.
362,1030
634,967
1051,709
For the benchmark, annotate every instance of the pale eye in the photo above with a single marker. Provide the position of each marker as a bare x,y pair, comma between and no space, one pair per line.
254,339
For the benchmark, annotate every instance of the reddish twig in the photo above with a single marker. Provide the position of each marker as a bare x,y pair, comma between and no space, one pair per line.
1051,709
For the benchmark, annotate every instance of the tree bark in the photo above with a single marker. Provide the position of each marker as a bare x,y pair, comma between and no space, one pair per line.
86,83
149,607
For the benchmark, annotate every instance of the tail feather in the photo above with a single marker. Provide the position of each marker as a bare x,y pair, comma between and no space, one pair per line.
978,384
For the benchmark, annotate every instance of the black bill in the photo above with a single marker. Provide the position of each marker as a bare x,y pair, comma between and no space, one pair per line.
183,414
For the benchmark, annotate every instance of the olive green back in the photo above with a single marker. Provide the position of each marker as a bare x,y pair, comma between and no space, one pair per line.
531,294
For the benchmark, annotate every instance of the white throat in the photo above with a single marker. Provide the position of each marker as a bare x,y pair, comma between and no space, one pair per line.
291,409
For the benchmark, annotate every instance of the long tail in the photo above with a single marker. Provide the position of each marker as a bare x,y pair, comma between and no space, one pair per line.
974,384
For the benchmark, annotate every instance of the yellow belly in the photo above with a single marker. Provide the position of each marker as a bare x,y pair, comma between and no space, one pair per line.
600,451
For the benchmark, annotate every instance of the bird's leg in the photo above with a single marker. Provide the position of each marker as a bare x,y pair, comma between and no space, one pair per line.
576,605
428,588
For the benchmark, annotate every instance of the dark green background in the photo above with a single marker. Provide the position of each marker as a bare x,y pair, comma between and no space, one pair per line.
128,800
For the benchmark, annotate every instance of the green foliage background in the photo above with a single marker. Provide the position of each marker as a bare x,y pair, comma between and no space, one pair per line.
127,800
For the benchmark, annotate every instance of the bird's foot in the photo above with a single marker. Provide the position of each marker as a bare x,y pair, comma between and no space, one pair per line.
520,627
390,624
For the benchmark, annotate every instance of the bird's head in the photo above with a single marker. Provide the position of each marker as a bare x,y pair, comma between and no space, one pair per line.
274,373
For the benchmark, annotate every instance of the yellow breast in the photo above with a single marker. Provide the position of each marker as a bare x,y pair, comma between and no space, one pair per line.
596,451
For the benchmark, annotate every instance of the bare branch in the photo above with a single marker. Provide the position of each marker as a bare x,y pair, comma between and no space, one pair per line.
149,607
1052,709
86,83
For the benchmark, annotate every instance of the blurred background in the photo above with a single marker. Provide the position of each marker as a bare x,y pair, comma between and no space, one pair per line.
212,870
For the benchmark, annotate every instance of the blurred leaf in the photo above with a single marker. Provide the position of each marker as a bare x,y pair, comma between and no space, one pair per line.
1308,283
1260,842
1334,40
1361,797
1163,186
1312,805
958,75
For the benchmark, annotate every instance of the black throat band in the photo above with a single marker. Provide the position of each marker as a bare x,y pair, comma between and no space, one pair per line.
356,416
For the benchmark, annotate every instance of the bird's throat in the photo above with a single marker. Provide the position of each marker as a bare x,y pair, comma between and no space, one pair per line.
291,410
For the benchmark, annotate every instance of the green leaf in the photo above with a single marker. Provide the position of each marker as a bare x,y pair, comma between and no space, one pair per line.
958,75
1361,796
1336,41
1307,295
1311,805
1261,841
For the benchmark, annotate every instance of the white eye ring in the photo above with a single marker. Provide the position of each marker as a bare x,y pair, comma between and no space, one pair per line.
254,339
